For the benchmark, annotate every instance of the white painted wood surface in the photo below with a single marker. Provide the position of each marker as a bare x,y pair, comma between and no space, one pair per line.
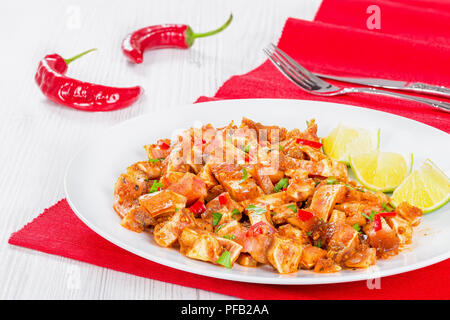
38,138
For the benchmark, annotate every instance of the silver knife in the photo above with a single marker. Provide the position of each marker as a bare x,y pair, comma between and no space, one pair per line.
418,87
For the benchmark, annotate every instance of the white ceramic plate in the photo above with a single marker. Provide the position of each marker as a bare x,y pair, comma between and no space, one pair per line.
93,172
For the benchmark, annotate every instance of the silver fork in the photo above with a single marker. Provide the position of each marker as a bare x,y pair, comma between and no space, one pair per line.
314,85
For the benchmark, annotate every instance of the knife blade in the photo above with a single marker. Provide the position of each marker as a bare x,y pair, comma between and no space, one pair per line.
418,87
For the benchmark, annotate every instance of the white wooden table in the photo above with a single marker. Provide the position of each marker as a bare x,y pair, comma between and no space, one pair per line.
38,138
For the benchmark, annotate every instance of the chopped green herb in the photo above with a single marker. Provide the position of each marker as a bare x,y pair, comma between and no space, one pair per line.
319,244
220,227
321,219
317,183
283,183
156,184
155,160
332,180
386,208
256,209
216,216
229,237
369,217
307,123
247,148
358,189
293,207
235,212
244,174
225,259
281,147
309,233
356,227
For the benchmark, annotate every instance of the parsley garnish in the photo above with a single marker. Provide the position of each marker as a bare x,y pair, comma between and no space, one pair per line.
229,237
244,174
256,209
358,189
386,208
216,216
155,186
225,259
235,212
247,148
220,227
293,207
283,183
319,244
281,147
155,160
309,233
356,227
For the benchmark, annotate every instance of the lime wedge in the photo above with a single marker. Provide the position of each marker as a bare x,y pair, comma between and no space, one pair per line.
343,142
381,171
427,188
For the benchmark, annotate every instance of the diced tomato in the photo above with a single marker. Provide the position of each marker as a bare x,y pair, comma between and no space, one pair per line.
222,200
377,223
198,207
309,143
304,215
163,146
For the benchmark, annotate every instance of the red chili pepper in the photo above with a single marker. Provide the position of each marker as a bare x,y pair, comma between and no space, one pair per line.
59,88
198,207
222,200
309,143
304,215
163,36
377,225
163,146
388,214
284,189
257,229
247,158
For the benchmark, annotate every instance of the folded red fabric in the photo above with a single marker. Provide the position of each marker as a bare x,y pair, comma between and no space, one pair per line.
59,231
412,45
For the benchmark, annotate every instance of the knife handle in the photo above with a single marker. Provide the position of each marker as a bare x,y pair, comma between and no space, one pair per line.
429,89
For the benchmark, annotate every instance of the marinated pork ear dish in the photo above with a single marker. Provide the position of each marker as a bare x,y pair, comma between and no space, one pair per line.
256,194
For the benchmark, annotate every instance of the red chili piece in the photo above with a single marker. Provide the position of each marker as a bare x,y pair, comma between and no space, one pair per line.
388,214
309,143
163,36
163,146
304,215
198,207
258,228
59,88
377,225
222,200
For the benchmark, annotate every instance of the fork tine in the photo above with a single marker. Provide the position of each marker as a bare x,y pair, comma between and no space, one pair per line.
289,74
313,78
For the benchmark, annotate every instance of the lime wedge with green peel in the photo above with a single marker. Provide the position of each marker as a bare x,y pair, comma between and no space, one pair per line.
427,188
343,142
381,171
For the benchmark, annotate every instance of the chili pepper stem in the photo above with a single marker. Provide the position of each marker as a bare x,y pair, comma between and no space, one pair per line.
78,56
212,32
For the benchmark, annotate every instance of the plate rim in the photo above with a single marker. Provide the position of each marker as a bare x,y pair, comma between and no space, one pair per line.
226,274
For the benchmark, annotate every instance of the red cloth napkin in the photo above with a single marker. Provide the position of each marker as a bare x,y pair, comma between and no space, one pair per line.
411,45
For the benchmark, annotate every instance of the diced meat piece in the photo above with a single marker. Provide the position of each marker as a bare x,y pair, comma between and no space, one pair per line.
308,225
159,150
272,133
190,186
376,197
258,214
282,212
302,152
167,233
176,160
126,192
284,254
215,206
357,208
145,170
310,133
246,260
310,256
409,213
402,228
343,240
233,247
362,258
337,216
257,247
206,175
233,228
325,198
326,265
137,219
214,192
199,245
231,177
300,187
385,241
289,231
270,201
276,176
262,179
162,202
356,218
